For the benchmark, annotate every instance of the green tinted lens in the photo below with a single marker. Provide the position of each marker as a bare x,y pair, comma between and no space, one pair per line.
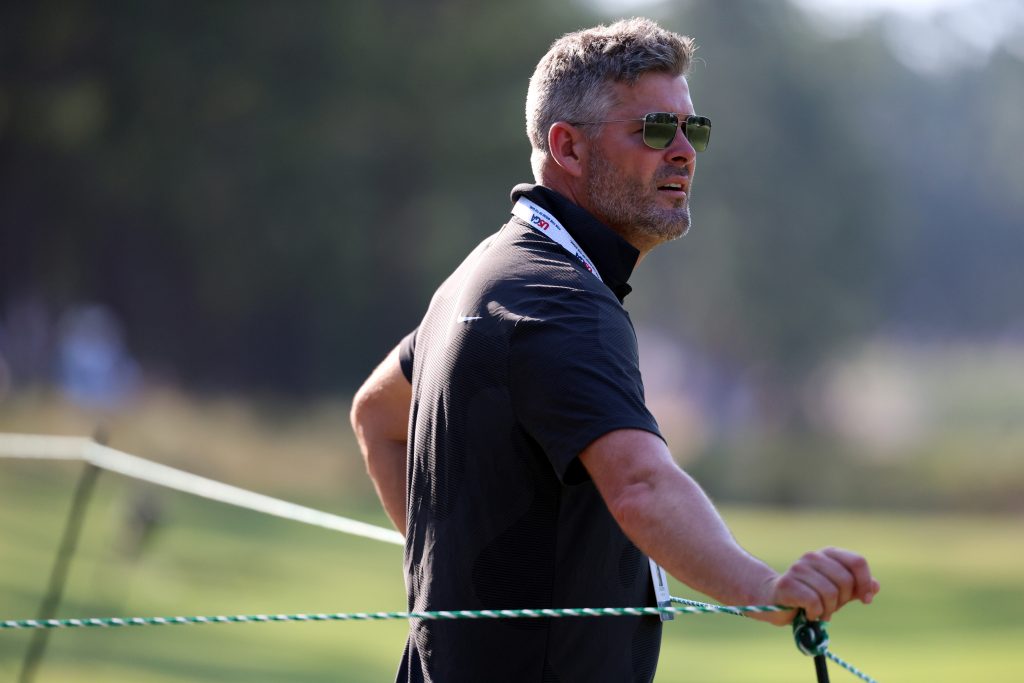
660,129
697,130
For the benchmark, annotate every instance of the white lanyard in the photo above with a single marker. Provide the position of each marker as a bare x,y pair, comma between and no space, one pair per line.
661,592
546,224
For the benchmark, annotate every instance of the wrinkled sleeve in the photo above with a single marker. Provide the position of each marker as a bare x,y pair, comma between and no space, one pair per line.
406,352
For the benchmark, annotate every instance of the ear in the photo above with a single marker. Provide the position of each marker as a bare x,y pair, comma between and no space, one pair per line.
568,147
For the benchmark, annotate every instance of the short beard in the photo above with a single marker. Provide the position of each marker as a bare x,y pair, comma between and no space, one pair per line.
630,207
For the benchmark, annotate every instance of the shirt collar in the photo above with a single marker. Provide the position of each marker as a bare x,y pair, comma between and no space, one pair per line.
614,257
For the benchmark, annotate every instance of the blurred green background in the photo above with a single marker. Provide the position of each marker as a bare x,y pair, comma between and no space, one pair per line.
215,218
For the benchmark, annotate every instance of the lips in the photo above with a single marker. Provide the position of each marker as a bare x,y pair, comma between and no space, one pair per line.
674,190
673,184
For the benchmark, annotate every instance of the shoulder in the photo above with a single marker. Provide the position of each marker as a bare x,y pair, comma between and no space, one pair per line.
527,274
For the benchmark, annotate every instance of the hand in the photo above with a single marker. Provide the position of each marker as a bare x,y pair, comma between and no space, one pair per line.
820,583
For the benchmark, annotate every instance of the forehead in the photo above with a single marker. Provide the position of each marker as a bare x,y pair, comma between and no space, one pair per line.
652,92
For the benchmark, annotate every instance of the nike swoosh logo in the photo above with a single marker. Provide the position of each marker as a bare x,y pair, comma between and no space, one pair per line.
468,318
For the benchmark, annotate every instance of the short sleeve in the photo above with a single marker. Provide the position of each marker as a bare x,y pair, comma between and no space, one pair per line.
575,376
406,351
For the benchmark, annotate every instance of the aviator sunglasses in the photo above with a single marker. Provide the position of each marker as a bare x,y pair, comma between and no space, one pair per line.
660,129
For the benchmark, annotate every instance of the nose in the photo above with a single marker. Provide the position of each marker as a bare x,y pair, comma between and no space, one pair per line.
680,151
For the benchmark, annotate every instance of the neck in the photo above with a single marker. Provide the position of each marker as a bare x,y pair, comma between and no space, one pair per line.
575,193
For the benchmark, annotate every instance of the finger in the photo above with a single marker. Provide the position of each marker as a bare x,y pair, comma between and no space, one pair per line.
866,586
793,590
829,578
827,592
836,572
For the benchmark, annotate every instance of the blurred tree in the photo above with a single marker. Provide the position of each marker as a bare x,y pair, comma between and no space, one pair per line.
267,195
834,198
262,193
784,260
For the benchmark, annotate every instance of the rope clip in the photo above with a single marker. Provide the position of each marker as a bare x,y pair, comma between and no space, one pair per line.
811,636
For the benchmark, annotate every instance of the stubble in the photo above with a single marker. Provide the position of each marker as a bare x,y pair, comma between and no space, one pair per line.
632,207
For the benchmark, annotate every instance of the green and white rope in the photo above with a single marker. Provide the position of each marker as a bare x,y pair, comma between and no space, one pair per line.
725,609
850,667
689,607
108,622
742,613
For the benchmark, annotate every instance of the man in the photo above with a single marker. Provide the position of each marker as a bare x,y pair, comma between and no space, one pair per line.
508,436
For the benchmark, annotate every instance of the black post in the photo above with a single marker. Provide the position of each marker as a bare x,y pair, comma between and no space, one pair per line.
821,668
59,573
812,639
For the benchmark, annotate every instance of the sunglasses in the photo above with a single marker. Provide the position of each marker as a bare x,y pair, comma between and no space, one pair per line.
660,129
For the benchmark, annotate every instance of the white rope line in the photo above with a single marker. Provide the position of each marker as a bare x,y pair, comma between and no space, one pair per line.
36,447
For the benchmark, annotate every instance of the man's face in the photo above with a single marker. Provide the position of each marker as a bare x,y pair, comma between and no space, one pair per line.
642,192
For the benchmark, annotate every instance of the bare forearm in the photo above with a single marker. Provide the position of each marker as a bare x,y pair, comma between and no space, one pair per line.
673,521
670,518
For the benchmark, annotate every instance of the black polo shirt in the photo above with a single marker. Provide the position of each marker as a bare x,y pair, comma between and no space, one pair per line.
523,359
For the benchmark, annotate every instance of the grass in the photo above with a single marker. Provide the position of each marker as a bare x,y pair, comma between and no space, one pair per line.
949,609
206,559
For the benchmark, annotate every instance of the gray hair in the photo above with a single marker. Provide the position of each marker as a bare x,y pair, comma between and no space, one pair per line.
571,82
